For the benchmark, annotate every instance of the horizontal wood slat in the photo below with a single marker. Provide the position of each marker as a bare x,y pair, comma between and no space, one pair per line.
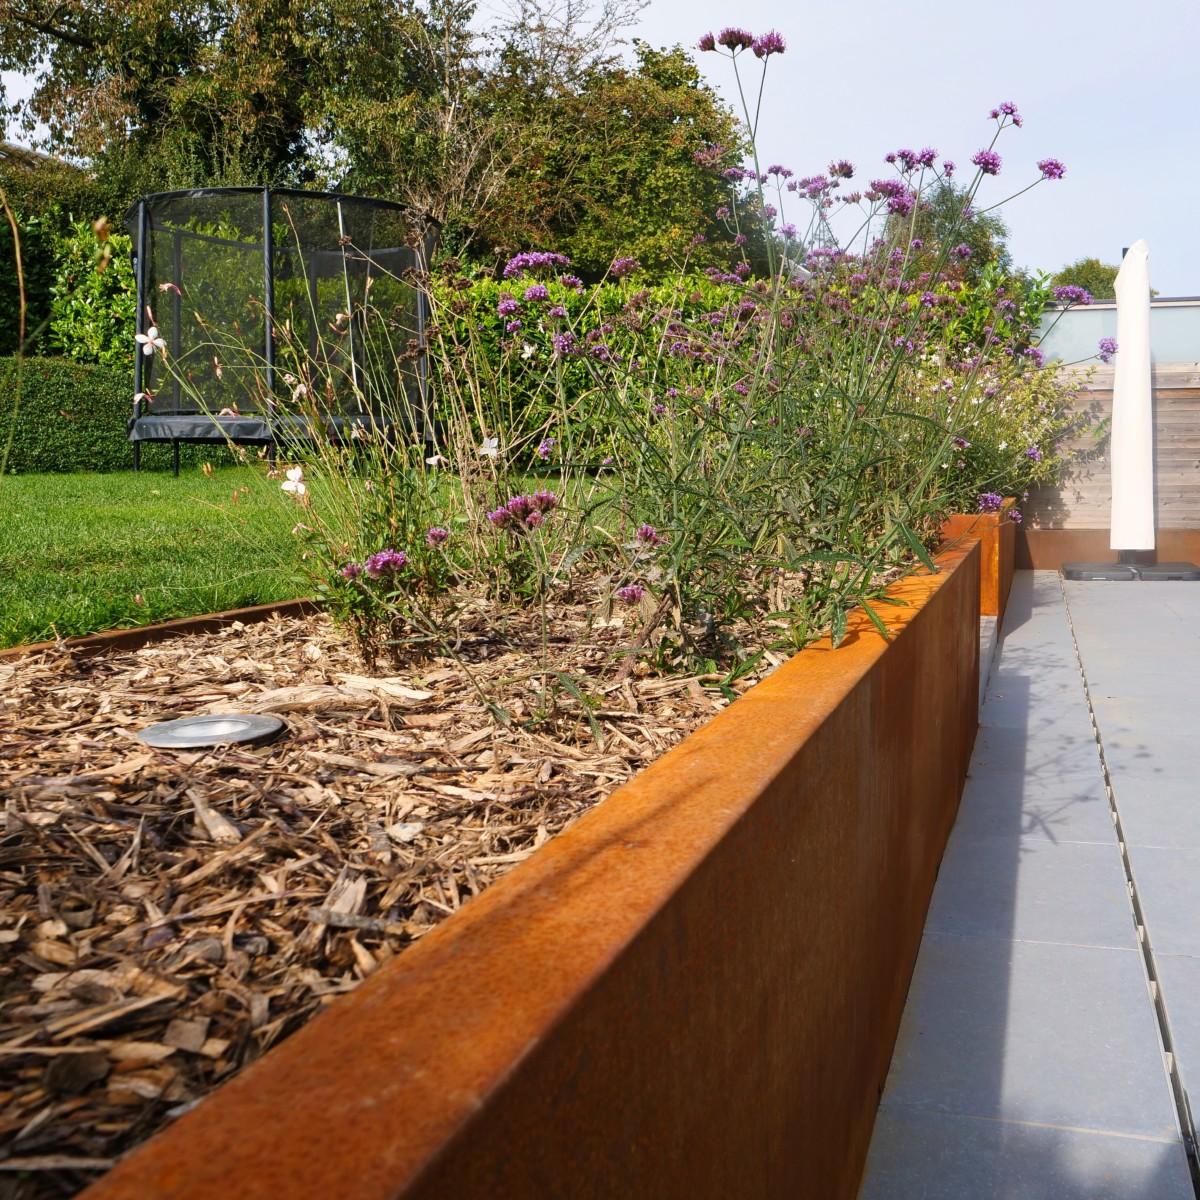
1083,500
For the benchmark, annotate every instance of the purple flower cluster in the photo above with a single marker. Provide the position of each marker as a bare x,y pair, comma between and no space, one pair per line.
546,448
735,39
536,291
507,305
1034,454
1107,350
769,43
571,281
631,593
647,535
1007,109
1051,168
520,263
437,536
910,160
1014,515
990,501
841,169
624,266
352,570
988,161
385,562
564,344
961,251
524,512
1070,294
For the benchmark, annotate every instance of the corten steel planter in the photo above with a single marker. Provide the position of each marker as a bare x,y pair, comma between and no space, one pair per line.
694,991
997,535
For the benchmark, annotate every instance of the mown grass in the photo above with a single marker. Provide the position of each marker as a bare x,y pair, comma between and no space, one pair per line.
77,551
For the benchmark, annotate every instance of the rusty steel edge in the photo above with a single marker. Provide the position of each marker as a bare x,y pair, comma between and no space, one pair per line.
145,635
694,991
1048,549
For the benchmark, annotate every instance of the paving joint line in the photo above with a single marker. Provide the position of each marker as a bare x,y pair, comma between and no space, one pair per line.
1179,1096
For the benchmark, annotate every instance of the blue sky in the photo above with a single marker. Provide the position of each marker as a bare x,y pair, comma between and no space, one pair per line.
1107,86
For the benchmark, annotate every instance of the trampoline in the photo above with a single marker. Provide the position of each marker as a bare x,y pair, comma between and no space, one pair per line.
277,316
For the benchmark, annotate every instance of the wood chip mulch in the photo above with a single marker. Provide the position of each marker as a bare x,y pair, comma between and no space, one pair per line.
167,916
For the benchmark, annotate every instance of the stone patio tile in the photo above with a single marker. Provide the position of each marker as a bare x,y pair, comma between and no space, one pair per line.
1053,1034
1168,885
1162,811
1033,890
1006,804
934,1156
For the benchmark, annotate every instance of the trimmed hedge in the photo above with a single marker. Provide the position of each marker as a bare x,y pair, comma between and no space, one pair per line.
70,416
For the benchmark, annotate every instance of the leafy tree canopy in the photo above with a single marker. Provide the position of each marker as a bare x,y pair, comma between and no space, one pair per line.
533,134
1091,274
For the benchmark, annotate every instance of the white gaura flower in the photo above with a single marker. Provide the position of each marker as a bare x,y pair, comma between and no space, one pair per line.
437,460
490,448
294,482
151,341
527,351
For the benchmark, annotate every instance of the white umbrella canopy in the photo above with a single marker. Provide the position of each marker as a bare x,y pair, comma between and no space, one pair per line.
1132,433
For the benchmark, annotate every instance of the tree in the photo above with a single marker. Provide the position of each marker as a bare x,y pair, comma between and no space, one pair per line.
1090,274
944,220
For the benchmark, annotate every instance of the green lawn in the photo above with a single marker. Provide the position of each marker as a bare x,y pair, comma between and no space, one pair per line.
75,550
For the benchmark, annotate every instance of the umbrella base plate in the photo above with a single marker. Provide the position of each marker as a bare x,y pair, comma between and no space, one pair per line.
1110,572
1128,572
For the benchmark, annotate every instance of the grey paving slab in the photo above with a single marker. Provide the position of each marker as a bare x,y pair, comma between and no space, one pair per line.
1034,890
1160,811
920,1155
1053,754
1168,885
1029,1063
1061,808
1025,1031
1179,978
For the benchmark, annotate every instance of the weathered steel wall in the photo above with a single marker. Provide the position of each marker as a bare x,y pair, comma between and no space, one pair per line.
692,992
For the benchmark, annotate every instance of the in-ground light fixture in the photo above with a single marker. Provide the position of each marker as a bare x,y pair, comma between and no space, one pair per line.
211,729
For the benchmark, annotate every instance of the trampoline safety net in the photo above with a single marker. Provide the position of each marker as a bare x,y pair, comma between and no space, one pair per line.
281,315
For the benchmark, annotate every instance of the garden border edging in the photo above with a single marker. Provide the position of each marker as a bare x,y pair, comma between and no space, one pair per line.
693,991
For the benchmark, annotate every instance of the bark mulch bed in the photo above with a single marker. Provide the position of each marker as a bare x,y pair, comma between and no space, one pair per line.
167,916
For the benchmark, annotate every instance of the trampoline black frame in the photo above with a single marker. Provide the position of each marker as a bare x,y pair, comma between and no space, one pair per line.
268,429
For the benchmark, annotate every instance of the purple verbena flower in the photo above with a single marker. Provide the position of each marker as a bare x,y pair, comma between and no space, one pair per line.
564,344
988,161
534,520
901,205
385,562
520,263
1014,515
543,501
962,250
1107,350
546,448
507,305
990,501
1034,454
631,593
735,39
512,327
352,570
571,281
1051,168
841,169
782,172
536,291
1007,109
769,43
1070,294
948,168
623,266
707,42
499,517
649,536
436,536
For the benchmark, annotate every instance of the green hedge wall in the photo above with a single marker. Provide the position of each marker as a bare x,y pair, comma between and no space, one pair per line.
70,416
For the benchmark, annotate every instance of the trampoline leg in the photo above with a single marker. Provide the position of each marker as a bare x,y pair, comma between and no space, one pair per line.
175,456
137,456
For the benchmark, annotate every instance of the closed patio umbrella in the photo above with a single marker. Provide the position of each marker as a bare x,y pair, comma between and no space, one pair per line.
1132,441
